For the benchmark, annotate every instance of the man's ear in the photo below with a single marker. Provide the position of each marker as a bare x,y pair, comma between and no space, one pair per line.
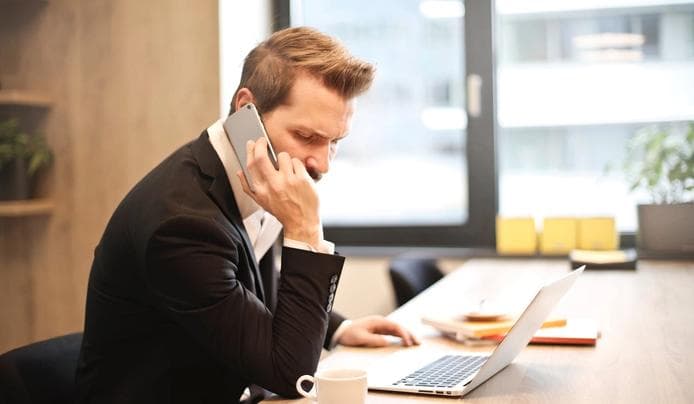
243,96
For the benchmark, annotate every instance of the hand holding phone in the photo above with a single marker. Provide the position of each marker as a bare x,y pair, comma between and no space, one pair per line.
240,127
288,192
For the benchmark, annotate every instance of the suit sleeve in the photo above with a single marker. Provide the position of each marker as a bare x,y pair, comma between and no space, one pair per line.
270,279
193,269
335,320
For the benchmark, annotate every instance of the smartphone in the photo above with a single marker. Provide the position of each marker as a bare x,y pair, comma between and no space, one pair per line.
244,125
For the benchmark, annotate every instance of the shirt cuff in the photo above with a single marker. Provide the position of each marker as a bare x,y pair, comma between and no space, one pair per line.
325,247
338,333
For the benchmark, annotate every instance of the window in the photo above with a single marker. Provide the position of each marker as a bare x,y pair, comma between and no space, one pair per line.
401,177
564,86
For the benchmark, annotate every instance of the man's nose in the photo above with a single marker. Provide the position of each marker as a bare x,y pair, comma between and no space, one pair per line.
320,161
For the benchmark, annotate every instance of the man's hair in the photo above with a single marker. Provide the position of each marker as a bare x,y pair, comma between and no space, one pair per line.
270,69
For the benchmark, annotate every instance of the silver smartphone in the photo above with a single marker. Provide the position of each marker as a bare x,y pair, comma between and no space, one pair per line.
244,125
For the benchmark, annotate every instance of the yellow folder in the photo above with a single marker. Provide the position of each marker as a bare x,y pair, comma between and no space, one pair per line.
516,235
558,235
597,233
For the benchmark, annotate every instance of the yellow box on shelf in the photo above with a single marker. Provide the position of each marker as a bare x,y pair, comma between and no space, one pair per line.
558,235
597,233
516,235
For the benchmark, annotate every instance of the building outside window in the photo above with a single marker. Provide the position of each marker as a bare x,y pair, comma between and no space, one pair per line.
576,80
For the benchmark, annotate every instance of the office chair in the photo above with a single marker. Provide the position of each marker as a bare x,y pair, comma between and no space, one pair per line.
410,275
41,373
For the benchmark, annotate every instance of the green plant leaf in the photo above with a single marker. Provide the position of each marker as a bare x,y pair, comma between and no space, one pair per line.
17,144
660,160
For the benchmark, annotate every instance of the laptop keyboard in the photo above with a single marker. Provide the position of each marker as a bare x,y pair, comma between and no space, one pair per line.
445,372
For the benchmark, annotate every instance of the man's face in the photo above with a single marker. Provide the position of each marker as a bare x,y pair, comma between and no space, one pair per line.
309,125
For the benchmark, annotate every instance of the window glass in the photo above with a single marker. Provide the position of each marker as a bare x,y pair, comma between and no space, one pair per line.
404,160
576,80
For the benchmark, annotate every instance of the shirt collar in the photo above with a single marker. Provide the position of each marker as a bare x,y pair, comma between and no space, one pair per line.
220,144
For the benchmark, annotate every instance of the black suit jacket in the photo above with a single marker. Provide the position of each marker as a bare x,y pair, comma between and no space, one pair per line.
177,309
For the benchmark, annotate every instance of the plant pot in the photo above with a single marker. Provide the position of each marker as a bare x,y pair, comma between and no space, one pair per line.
666,230
15,183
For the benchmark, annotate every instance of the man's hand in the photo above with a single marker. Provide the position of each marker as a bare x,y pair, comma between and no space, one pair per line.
289,193
369,332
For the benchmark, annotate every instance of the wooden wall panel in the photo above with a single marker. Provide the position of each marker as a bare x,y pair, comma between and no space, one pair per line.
131,81
15,286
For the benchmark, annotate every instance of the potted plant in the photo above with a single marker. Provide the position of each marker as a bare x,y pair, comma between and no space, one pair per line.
22,156
660,160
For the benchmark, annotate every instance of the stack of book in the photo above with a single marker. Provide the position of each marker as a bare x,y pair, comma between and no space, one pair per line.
557,330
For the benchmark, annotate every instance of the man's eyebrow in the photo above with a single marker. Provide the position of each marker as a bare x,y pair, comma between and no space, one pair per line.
318,133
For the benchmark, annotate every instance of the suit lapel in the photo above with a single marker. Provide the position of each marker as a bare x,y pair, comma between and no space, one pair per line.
220,191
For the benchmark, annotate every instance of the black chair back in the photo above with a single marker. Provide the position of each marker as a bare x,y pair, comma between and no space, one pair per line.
411,275
41,373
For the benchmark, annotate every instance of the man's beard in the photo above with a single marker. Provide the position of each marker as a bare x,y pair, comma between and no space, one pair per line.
315,175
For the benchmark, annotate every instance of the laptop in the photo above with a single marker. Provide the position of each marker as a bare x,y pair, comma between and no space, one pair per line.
455,374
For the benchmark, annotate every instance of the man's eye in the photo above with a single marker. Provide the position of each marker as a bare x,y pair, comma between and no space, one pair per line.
307,138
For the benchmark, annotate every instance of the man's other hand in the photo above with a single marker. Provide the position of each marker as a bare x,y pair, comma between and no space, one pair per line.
370,331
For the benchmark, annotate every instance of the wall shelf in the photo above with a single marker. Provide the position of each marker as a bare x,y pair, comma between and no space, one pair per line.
31,207
24,98
22,1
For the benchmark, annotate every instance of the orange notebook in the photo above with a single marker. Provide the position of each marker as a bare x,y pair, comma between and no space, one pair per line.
576,331
479,329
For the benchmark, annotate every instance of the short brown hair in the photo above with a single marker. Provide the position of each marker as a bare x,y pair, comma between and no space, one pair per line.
271,67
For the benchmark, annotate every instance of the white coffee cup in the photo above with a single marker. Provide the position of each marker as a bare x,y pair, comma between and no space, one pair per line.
335,386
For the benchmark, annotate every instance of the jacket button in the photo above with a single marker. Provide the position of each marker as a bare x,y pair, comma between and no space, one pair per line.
333,279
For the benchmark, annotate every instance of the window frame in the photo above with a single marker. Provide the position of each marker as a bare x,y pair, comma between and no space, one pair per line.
479,229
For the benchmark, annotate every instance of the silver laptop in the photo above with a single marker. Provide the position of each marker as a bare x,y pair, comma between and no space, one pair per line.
454,374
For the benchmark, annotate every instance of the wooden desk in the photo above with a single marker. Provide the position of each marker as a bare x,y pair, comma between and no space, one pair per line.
645,353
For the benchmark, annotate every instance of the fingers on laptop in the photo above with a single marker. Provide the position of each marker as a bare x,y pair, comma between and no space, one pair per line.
391,328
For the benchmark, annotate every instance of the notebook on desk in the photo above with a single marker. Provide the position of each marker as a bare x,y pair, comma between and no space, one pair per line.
454,374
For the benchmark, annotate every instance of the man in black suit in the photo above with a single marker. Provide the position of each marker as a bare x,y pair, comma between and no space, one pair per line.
184,301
